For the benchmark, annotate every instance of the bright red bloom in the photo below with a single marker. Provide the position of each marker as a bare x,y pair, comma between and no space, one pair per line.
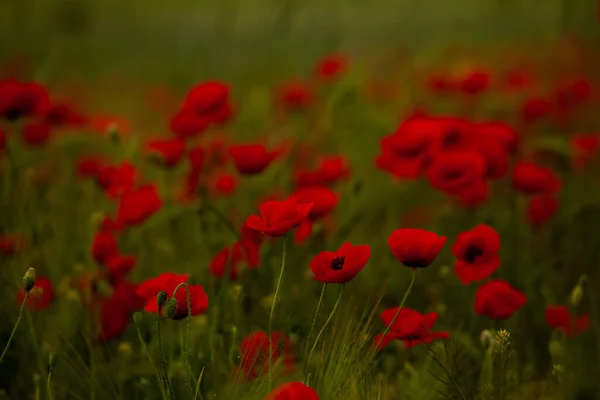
415,248
167,282
251,159
293,391
541,209
410,326
331,66
170,152
20,100
324,200
498,300
279,217
209,101
559,317
475,83
295,96
452,172
340,266
11,244
532,179
116,179
36,133
330,170
255,351
535,109
476,253
104,247
585,148
138,205
116,311
40,297
187,124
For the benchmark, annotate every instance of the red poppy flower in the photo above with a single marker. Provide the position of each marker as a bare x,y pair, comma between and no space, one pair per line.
295,96
535,109
585,148
541,209
476,253
324,200
279,217
116,311
498,300
169,152
209,101
256,352
40,297
11,244
251,159
330,170
120,265
89,166
187,124
303,232
167,282
116,179
410,326
559,317
138,205
293,391
474,195
64,115
224,184
415,248
475,83
104,247
498,132
231,256
20,100
532,179
452,172
331,66
340,266
36,133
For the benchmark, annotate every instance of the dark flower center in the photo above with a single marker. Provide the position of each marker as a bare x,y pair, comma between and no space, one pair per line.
472,253
338,263
451,138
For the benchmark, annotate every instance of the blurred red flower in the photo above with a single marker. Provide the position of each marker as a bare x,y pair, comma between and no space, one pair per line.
535,109
21,100
279,217
104,247
541,209
454,172
559,317
475,82
331,66
340,266
115,180
36,133
40,297
293,391
209,101
329,171
224,184
119,265
323,199
256,351
295,96
169,152
532,179
476,253
64,115
415,248
89,166
116,311
138,205
187,124
497,299
251,159
11,244
410,326
585,148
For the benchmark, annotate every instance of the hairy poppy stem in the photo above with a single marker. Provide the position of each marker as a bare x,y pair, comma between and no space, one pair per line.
283,255
186,352
12,334
314,346
163,361
312,328
387,328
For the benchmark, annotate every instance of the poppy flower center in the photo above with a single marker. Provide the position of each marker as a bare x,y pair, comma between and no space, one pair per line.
338,263
472,253
451,138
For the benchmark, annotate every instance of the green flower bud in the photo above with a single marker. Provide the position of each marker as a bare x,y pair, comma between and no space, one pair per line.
161,297
170,308
138,319
52,360
29,279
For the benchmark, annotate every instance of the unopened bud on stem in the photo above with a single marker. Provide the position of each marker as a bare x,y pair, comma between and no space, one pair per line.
170,308
29,279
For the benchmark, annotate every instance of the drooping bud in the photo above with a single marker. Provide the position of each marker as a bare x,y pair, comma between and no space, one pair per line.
576,294
170,308
29,279
486,338
52,360
161,297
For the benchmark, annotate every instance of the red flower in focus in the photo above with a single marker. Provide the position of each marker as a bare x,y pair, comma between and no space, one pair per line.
559,317
89,166
340,266
475,83
138,205
415,248
209,101
116,179
535,109
454,172
116,311
330,170
532,179
498,300
541,209
332,66
11,244
410,326
40,297
585,148
104,247
293,391
476,253
167,282
187,124
256,351
251,159
169,152
295,96
36,133
279,217
21,100
323,199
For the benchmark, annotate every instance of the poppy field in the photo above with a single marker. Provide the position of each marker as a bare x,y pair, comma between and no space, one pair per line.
372,223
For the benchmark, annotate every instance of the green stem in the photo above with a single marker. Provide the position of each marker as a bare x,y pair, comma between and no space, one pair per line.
312,328
387,328
186,361
12,334
163,361
283,255
49,386
337,303
147,353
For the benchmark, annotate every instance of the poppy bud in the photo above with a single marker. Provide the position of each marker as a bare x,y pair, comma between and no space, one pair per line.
29,279
52,360
170,308
161,297
576,294
137,318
